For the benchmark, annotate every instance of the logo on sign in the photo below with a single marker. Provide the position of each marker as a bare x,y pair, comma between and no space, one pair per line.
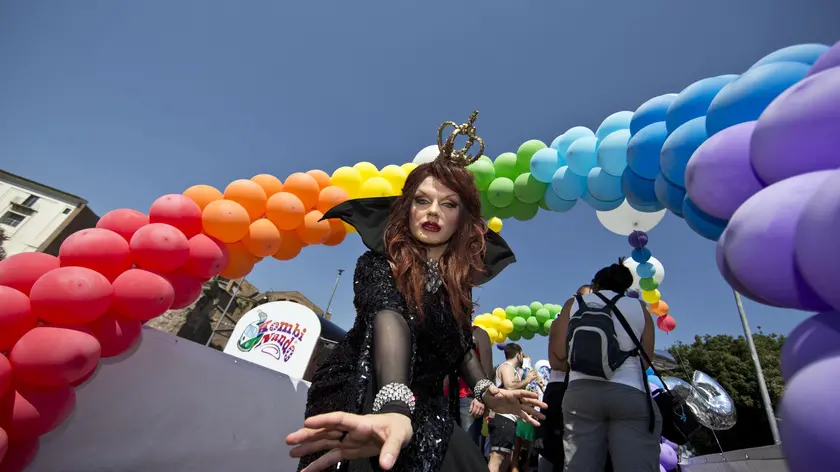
278,339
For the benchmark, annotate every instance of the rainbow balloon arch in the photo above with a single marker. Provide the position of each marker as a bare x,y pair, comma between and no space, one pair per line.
749,161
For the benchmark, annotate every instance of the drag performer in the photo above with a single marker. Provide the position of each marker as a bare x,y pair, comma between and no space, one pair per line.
376,402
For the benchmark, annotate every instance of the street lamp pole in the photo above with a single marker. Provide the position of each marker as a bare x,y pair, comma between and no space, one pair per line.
337,279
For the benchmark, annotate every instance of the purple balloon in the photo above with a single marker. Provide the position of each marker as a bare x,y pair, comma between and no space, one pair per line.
667,457
670,444
500,346
729,277
719,176
638,239
760,240
817,254
797,133
811,423
633,294
662,469
829,59
814,339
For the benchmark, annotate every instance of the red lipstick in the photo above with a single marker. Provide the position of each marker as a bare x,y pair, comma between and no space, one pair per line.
429,226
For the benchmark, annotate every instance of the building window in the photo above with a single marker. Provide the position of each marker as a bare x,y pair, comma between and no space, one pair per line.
66,211
12,219
30,200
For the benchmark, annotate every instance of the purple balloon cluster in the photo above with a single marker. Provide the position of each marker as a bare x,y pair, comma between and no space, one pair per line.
668,455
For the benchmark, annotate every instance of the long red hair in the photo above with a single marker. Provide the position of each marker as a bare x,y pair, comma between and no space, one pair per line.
464,255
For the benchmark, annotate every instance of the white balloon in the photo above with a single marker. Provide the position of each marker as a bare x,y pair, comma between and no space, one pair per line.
659,276
625,219
426,155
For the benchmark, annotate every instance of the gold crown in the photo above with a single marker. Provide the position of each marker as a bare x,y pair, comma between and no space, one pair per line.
461,156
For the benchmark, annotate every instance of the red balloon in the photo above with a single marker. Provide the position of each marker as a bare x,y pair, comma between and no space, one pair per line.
159,247
19,455
5,374
116,335
178,211
28,412
666,323
97,249
22,270
71,296
16,317
124,222
84,379
141,295
207,257
187,289
4,445
52,356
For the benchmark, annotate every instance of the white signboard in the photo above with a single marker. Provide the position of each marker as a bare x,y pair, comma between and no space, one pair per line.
280,336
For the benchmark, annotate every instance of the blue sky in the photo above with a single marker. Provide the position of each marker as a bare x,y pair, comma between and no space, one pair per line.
122,102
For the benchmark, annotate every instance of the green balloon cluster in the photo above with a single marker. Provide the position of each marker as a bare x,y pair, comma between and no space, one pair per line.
507,188
530,320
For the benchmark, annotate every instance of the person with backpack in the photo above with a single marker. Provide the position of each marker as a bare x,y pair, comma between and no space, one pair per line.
607,405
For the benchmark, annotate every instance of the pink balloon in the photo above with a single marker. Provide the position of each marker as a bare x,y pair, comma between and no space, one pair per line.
159,247
207,257
5,375
124,222
666,323
71,296
19,455
22,270
16,317
97,249
27,413
53,356
187,289
116,335
141,295
4,444
178,211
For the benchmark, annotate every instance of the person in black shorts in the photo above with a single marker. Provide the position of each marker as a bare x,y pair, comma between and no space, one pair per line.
502,428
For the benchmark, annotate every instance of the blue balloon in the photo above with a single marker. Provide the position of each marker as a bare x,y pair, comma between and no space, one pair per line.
603,186
600,205
650,371
563,142
802,53
645,270
707,226
746,97
545,163
582,155
615,122
679,147
652,111
669,195
555,203
639,192
641,255
694,100
568,185
612,152
652,379
643,150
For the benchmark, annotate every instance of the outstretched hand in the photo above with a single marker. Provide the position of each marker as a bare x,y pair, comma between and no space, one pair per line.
347,436
521,403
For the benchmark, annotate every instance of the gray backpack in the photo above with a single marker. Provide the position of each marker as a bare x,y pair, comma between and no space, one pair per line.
592,345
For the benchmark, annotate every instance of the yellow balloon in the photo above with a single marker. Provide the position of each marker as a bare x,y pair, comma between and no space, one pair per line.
395,175
492,322
500,313
367,170
349,179
408,167
348,228
491,333
651,296
376,187
495,225
506,327
500,338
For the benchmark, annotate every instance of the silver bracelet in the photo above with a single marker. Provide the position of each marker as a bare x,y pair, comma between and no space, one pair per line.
480,387
394,392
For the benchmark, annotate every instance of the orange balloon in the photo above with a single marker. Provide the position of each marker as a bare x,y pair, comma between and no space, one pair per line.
337,233
202,195
305,187
313,231
330,197
262,239
659,308
269,183
285,210
290,246
241,262
321,177
249,194
225,220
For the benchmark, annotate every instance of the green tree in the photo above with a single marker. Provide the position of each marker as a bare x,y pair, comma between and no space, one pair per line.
728,361
2,239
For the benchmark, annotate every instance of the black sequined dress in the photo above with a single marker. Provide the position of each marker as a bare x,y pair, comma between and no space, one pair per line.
376,351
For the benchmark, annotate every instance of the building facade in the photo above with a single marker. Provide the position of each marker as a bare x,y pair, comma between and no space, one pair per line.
37,218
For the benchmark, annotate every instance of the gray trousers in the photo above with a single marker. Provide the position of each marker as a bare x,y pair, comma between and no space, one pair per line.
604,416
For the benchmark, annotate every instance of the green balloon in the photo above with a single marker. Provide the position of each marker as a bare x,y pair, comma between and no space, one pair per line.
519,324
528,189
542,331
542,315
542,204
523,211
648,283
500,192
486,159
483,173
553,309
547,325
505,166
528,334
510,312
514,336
535,306
531,324
487,209
526,152
524,311
506,212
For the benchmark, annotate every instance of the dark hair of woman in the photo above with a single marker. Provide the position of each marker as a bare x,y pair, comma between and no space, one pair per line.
464,255
616,278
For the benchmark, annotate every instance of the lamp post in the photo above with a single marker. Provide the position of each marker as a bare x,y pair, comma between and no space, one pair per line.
337,279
